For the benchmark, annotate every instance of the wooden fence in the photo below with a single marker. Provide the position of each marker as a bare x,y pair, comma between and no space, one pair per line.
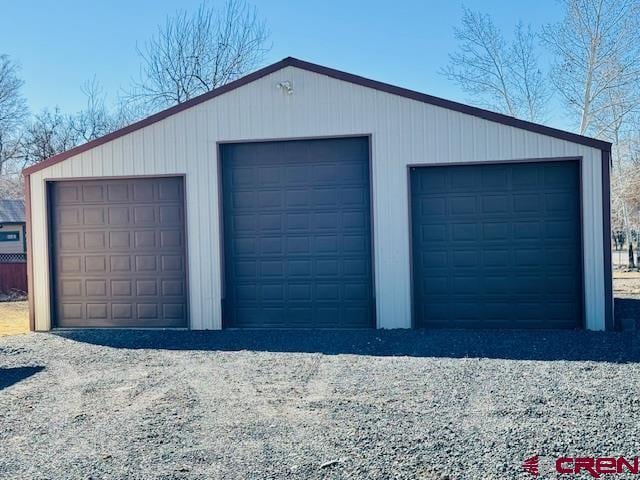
13,273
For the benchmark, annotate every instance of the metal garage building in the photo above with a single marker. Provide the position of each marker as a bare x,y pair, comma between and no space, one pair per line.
304,197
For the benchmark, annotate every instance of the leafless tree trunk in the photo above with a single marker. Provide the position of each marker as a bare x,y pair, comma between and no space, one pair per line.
195,53
13,111
597,52
529,80
502,77
625,178
597,74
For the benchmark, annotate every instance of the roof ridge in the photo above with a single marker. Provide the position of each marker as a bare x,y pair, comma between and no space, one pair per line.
339,75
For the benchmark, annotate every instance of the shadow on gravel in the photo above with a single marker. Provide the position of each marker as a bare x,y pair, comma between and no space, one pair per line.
620,347
627,312
9,376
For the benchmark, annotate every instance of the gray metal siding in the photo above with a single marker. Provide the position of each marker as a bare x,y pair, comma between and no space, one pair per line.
119,253
297,242
497,246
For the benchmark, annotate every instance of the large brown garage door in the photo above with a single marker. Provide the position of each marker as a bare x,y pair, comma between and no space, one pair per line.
119,253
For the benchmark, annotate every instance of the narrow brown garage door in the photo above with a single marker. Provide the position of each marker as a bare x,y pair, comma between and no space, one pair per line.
119,253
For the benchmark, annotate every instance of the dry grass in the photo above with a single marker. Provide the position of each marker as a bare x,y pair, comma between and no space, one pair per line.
626,275
14,318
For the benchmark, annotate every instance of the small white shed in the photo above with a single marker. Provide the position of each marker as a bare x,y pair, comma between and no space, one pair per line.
304,197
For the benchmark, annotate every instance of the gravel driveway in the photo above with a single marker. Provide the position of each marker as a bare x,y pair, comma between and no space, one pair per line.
305,405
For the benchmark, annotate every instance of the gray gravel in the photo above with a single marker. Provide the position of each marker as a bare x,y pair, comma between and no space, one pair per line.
306,405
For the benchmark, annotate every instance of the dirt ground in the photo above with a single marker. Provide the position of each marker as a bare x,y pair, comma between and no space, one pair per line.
14,318
626,284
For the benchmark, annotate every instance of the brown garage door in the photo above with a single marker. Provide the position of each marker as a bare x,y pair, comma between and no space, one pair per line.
119,253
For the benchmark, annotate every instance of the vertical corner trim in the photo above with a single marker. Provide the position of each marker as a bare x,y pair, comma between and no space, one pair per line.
609,319
29,235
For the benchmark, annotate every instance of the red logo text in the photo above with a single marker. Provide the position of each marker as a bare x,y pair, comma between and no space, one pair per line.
597,466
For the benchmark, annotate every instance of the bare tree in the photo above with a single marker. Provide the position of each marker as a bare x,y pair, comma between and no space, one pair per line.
195,53
13,111
532,92
128,110
95,120
11,187
498,75
50,132
481,65
596,72
625,177
597,57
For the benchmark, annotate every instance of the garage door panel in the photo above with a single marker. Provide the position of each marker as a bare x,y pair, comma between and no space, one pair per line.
469,232
463,179
68,195
168,190
68,217
122,311
462,205
118,216
118,192
69,241
496,179
143,192
497,246
123,264
297,234
71,288
169,264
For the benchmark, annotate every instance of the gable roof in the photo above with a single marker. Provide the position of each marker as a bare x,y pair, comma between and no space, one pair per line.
12,211
337,74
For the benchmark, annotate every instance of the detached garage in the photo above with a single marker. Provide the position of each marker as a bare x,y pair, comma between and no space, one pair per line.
304,197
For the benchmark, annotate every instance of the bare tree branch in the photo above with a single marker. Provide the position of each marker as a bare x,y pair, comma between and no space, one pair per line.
596,71
51,131
532,92
502,77
597,56
48,133
13,111
95,120
195,53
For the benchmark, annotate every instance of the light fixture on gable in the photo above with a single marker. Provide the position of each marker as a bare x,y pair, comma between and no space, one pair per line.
286,86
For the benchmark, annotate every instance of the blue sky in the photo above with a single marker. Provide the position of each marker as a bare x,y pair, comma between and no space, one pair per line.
61,44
